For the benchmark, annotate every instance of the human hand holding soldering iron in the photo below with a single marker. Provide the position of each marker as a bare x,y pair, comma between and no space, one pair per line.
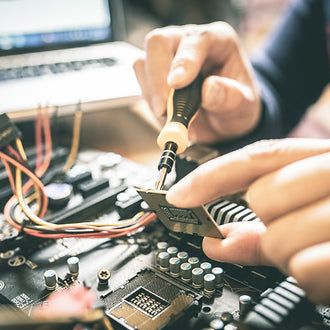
287,181
230,105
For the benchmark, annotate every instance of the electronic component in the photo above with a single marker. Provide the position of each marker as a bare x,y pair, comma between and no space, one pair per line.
73,265
103,276
151,268
190,221
50,279
8,131
245,304
284,307
150,301
173,138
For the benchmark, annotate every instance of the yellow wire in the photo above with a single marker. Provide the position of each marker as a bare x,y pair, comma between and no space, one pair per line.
23,202
26,209
21,151
44,224
75,141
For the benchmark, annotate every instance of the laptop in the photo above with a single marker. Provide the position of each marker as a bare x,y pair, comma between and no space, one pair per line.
62,53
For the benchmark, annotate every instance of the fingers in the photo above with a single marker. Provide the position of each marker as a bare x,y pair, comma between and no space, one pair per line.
291,187
235,171
241,244
190,55
311,268
175,56
296,231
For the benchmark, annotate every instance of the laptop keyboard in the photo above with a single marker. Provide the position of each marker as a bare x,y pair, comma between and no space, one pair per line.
53,68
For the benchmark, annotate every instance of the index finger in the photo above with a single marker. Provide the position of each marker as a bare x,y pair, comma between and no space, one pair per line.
235,171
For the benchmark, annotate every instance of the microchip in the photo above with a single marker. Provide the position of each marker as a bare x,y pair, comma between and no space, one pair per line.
150,301
196,220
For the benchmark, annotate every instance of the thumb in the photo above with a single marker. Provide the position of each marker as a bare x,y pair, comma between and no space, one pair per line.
240,245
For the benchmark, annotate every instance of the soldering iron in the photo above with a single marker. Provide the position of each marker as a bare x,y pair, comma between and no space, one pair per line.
173,139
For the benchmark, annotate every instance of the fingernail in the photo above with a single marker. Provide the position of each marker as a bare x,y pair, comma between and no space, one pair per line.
176,76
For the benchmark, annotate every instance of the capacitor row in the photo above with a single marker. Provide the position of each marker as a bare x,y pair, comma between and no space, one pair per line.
189,269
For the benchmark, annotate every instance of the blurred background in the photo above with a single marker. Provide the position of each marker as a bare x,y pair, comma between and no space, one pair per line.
252,19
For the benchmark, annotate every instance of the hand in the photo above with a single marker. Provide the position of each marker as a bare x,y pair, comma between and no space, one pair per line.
288,187
174,57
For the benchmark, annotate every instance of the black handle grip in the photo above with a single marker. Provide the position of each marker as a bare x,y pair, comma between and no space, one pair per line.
186,101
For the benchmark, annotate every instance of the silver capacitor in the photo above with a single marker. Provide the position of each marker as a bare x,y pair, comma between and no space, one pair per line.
173,251
217,324
207,267
73,264
185,270
245,303
209,283
163,260
50,278
175,263
194,261
197,277
162,246
218,273
183,256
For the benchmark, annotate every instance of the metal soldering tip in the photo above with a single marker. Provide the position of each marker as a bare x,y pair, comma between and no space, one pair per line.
161,178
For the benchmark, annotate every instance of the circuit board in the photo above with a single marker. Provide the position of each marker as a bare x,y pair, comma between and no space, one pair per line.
152,278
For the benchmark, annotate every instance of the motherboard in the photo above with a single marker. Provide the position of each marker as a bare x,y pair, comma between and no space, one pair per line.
148,278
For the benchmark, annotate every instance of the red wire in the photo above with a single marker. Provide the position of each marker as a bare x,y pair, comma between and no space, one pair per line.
15,153
48,145
10,175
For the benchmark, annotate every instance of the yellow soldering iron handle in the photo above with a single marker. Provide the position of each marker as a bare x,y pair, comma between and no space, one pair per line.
181,107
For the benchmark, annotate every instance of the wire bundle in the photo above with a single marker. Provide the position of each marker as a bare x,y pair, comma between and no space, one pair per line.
26,209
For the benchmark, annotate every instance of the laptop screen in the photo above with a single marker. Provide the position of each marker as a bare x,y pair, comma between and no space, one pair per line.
31,25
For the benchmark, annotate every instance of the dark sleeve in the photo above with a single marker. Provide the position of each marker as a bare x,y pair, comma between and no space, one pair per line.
292,70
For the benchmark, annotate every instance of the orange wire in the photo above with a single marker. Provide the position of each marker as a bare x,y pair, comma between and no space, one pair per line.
10,175
48,144
33,180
